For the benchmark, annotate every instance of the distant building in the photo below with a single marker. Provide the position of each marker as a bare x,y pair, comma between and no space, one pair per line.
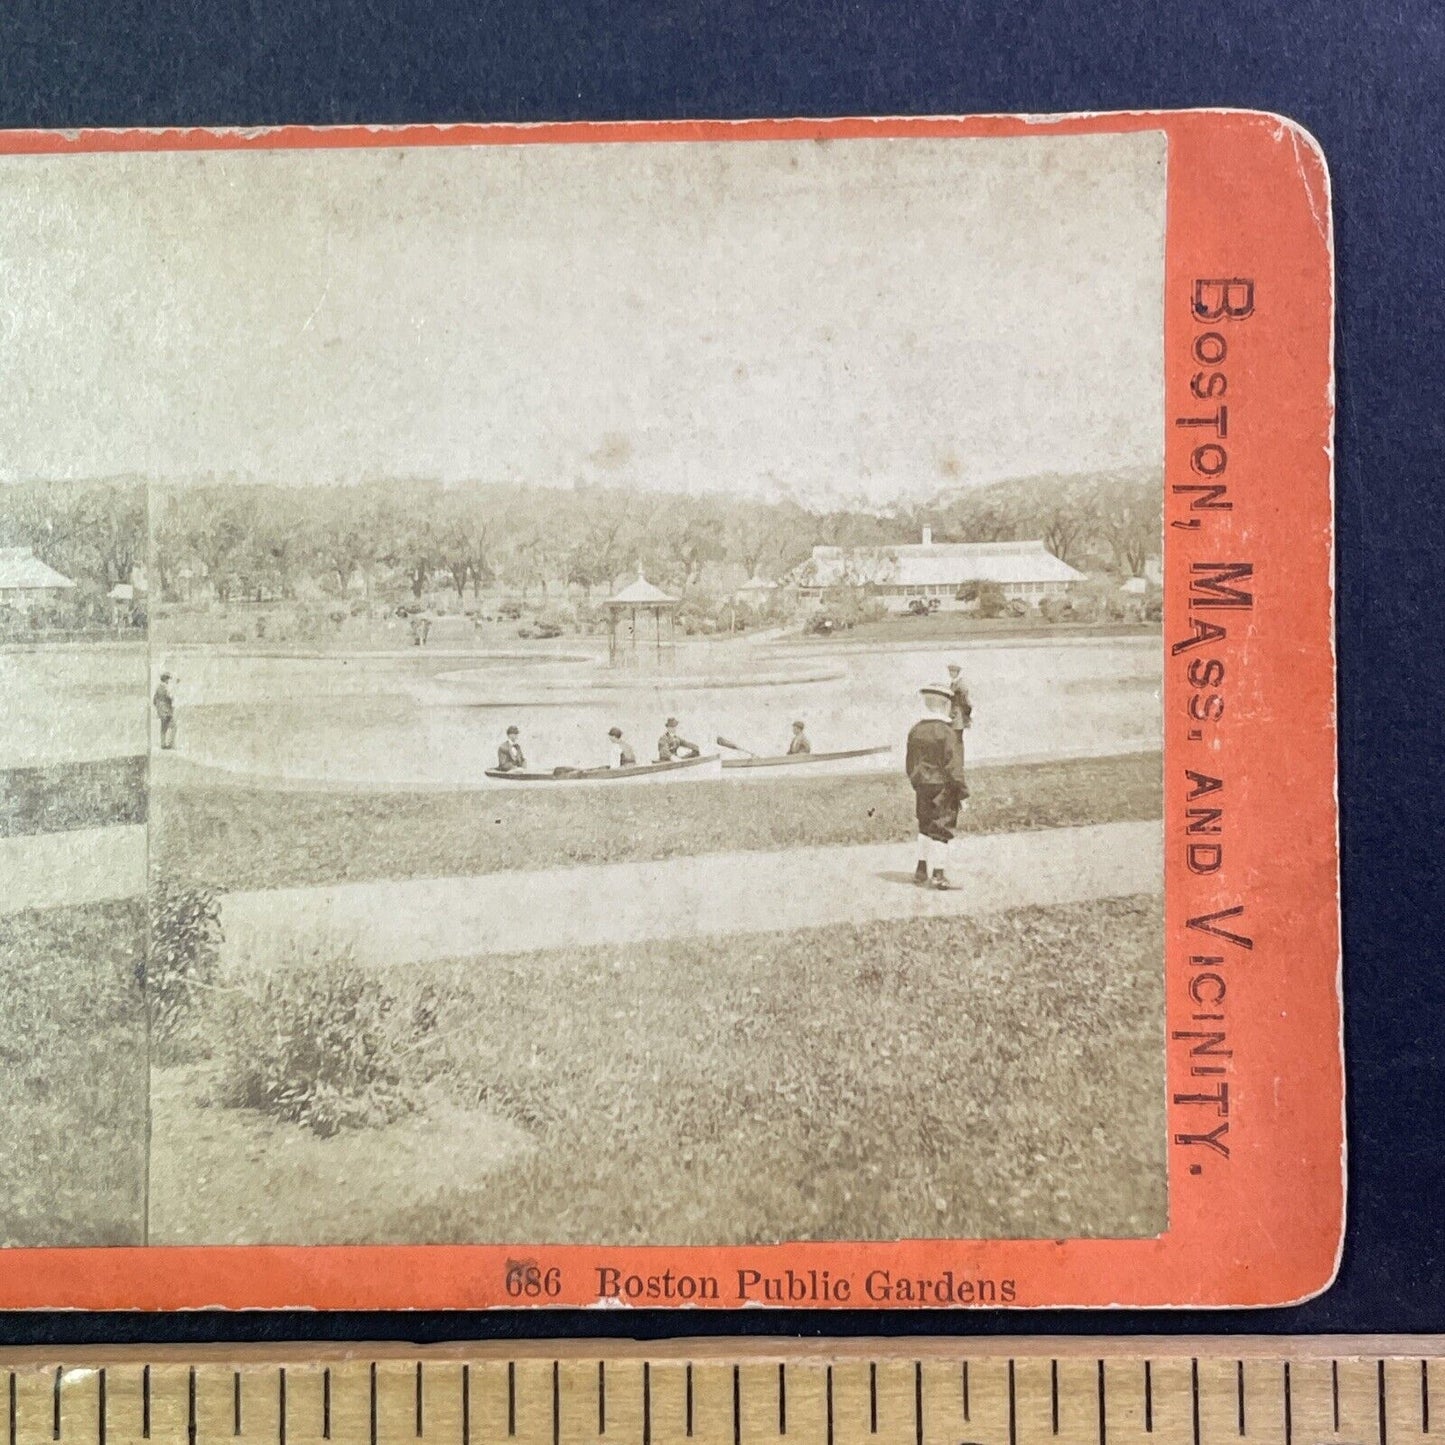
129,593
26,581
925,570
1153,576
756,592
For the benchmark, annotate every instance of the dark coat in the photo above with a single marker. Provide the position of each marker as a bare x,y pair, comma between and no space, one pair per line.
670,748
960,713
934,763
509,756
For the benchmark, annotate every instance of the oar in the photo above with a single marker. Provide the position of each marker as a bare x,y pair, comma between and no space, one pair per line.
722,742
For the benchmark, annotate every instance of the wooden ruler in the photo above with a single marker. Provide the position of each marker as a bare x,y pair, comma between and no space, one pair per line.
1049,1391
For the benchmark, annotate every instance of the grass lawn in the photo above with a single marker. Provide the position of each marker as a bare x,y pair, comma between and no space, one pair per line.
284,631
245,838
73,1076
105,793
992,1076
964,627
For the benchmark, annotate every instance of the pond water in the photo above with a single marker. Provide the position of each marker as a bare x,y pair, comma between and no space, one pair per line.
72,704
430,721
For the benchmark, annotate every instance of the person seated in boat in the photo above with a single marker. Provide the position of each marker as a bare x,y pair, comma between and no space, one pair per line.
800,743
622,754
671,747
509,753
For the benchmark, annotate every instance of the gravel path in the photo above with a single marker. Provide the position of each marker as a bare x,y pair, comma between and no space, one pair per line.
720,893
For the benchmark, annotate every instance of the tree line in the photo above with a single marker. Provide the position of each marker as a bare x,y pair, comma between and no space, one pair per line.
416,536
407,536
1111,520
94,533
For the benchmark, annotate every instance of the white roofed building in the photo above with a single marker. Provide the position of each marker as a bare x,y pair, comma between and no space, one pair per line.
928,570
26,581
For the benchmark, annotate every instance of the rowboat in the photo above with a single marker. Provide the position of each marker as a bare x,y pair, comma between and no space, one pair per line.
790,760
601,775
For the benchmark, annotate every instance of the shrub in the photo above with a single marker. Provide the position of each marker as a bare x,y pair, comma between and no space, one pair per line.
309,625
591,617
322,1043
991,601
849,606
184,946
692,615
1100,600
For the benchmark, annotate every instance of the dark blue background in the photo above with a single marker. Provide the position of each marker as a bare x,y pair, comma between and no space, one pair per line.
1367,79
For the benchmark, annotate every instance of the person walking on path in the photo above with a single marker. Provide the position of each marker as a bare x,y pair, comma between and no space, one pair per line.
934,764
165,706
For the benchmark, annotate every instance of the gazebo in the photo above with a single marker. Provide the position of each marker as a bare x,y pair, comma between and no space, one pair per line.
639,597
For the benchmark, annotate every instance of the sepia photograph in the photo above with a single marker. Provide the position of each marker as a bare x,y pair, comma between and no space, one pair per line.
73,670
584,693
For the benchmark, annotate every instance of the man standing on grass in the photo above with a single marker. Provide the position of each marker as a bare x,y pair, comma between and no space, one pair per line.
165,706
934,764
960,709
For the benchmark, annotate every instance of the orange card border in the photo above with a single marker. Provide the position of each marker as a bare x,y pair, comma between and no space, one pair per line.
1248,199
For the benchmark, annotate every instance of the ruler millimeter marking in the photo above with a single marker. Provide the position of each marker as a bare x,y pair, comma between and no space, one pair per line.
722,1392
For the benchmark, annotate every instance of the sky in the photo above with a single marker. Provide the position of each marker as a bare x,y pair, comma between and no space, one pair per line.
842,321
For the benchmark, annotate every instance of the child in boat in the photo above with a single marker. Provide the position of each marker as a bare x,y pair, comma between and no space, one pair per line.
800,743
622,754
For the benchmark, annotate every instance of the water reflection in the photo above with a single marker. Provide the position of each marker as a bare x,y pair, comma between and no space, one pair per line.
429,721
